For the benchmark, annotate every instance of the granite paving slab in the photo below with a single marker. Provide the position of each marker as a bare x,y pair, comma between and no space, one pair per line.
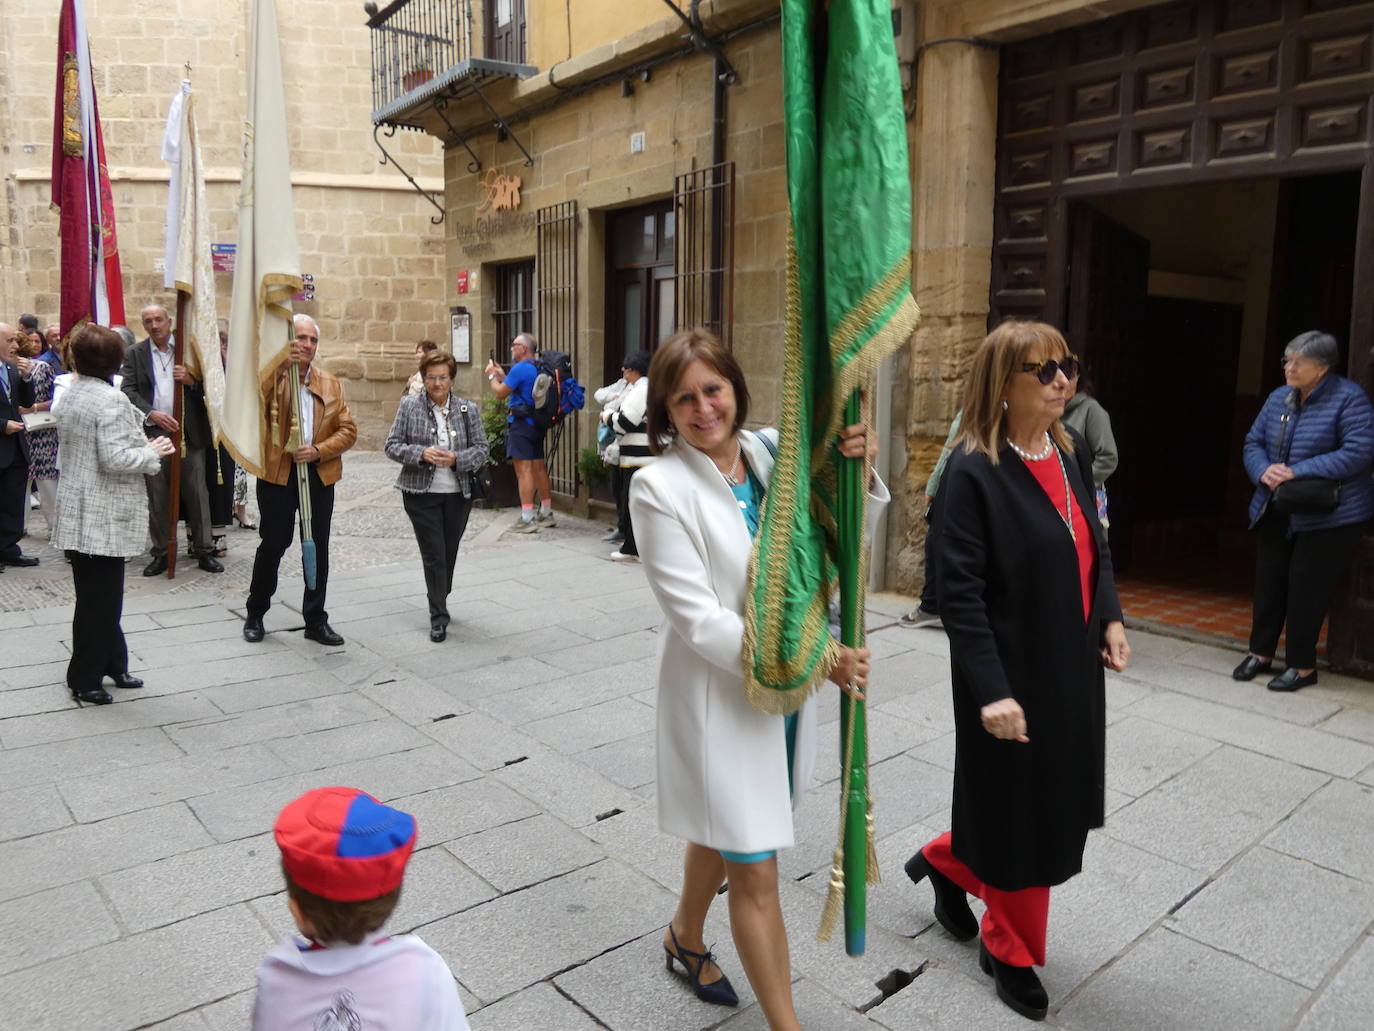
1347,1000
1333,828
54,923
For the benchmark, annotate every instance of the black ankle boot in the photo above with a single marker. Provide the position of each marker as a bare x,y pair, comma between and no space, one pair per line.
1018,987
951,902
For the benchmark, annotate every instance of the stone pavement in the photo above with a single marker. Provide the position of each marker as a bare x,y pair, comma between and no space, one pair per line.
1232,888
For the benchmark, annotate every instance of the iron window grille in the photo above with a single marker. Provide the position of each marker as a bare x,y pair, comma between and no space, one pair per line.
556,305
704,203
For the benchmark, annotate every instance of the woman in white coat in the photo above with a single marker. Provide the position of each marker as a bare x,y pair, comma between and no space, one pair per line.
724,779
102,508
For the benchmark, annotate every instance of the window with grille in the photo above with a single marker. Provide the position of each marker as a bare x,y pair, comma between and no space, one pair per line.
704,205
514,311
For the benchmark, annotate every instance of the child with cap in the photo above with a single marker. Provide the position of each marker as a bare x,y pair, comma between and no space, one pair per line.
344,855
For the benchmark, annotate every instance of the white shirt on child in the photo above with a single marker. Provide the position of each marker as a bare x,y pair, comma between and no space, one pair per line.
382,984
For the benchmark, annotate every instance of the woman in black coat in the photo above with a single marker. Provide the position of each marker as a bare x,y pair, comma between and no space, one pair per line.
1025,588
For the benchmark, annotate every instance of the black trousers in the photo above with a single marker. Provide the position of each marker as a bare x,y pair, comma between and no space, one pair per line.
928,602
14,498
1295,580
98,648
622,506
219,465
276,527
439,521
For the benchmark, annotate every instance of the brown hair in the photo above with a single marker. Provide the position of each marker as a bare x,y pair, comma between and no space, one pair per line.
97,352
670,361
341,921
983,424
427,345
439,358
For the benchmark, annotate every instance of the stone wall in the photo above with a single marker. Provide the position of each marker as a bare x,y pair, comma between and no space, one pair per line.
364,232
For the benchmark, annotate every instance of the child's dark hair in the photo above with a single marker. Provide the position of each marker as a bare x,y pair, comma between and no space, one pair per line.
341,921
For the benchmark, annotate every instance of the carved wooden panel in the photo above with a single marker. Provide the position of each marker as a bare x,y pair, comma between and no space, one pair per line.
1033,57
1167,25
1030,112
1164,147
1246,14
1164,86
1245,73
1245,137
1029,168
1096,100
1329,58
1023,271
1333,126
1026,223
1093,157
1099,41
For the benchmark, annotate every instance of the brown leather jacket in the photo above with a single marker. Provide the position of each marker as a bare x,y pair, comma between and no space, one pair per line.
335,430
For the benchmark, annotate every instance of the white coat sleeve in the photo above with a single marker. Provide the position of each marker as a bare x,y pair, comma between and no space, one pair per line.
680,581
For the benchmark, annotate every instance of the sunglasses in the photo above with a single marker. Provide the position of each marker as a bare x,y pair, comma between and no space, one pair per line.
1046,371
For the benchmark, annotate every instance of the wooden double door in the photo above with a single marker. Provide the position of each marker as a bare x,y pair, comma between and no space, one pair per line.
1174,95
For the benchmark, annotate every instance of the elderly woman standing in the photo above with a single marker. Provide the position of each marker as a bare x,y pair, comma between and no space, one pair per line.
102,508
1317,431
725,769
1027,597
439,441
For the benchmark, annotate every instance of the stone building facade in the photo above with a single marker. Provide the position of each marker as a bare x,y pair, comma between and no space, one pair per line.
365,234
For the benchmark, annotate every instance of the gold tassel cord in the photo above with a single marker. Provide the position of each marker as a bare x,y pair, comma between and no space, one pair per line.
834,900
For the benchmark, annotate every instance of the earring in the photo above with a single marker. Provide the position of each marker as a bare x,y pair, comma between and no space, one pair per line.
1004,405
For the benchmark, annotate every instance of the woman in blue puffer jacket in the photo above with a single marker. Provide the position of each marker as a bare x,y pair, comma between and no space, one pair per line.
1319,424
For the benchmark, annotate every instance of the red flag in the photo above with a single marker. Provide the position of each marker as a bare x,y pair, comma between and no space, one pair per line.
92,287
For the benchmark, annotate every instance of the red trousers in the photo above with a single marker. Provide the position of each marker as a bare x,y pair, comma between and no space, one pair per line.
1014,923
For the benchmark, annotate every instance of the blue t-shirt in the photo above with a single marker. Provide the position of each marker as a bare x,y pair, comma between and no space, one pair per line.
521,379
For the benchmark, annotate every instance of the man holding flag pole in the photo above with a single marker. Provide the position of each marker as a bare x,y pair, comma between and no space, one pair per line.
284,420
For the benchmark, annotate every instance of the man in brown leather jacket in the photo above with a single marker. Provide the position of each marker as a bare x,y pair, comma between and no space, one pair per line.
327,431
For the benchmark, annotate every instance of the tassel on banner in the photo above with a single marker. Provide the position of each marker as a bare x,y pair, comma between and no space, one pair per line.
273,418
834,899
875,875
219,481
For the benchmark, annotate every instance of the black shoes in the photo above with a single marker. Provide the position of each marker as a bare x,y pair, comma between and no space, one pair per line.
1290,680
1250,667
719,993
437,633
252,629
94,695
1018,987
18,560
156,566
324,634
951,902
126,681
210,564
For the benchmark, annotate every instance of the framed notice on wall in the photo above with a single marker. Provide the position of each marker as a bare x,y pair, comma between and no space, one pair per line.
461,345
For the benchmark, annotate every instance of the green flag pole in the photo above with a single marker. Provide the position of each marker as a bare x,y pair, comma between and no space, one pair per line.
853,717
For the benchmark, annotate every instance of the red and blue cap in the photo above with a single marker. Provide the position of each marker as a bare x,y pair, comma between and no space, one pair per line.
342,844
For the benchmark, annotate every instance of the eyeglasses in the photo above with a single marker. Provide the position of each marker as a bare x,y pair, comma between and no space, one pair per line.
1048,369
438,379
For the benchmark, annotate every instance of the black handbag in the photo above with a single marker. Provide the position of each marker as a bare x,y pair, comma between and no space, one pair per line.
1307,495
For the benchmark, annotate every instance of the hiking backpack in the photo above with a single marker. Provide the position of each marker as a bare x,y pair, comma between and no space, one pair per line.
556,391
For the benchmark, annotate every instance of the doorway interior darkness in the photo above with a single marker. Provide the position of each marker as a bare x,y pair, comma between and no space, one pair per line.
1180,300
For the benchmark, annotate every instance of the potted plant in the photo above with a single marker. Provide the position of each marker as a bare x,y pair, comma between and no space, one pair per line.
416,77
593,469
498,474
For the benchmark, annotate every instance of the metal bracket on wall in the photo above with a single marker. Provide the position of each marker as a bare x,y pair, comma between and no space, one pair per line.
501,123
475,165
388,159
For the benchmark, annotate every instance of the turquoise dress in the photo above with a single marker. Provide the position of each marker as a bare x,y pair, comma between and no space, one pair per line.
749,494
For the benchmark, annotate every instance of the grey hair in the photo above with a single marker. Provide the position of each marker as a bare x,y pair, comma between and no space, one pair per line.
527,339
296,319
1320,347
126,334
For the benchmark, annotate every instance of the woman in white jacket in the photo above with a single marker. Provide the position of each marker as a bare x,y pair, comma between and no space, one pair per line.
724,779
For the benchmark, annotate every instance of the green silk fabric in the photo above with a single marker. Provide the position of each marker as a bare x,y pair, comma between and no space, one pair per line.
848,307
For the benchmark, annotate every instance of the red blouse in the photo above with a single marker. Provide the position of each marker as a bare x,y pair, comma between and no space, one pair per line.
1051,477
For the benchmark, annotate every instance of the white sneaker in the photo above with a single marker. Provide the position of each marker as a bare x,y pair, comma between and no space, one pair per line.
525,526
545,520
620,556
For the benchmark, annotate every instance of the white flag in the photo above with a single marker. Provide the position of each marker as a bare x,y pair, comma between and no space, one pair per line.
267,265
189,266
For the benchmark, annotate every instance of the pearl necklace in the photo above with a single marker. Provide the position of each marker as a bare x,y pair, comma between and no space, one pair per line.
1027,456
729,477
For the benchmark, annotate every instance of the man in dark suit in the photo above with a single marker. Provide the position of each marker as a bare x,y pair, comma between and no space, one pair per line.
16,392
150,379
